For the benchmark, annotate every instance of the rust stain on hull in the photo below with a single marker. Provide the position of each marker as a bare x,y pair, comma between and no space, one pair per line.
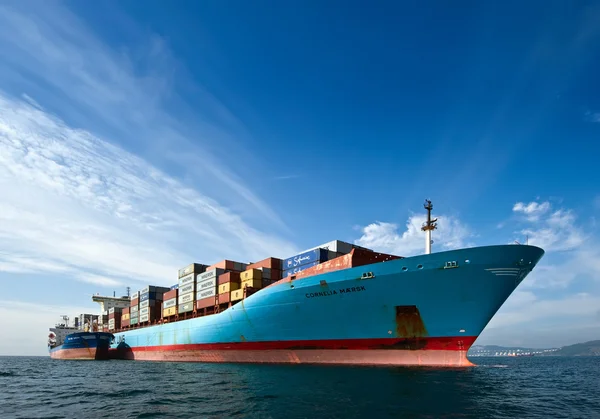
409,323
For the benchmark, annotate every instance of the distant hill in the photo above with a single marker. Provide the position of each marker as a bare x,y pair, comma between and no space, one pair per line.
591,348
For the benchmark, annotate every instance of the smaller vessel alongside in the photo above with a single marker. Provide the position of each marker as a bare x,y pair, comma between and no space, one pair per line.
66,342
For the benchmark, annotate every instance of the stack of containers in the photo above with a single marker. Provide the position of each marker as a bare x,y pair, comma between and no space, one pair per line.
229,283
187,288
125,317
134,309
271,270
114,318
298,263
170,302
206,288
251,279
150,301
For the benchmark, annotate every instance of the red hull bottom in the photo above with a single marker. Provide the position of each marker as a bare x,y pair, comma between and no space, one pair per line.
93,354
340,357
445,352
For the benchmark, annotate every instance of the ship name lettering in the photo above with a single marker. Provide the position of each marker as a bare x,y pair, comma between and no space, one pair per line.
334,292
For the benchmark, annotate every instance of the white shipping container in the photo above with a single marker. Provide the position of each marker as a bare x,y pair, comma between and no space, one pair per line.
206,293
207,283
170,303
135,295
188,279
186,298
111,321
143,304
213,273
134,309
144,311
187,289
144,318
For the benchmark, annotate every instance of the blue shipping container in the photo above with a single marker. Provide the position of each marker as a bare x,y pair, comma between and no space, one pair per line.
297,269
317,255
148,295
174,287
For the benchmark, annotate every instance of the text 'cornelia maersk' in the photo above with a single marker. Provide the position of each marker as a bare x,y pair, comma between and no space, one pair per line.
334,292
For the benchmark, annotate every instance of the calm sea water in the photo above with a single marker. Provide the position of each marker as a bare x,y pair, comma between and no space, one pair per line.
38,387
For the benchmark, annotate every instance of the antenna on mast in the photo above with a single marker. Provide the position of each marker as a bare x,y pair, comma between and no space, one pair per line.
428,226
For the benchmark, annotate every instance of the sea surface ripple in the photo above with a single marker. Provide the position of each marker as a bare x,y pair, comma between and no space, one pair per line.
524,387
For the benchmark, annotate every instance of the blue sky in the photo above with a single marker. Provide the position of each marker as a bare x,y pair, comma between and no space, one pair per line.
137,137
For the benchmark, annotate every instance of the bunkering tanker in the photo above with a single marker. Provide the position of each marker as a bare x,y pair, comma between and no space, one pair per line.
376,309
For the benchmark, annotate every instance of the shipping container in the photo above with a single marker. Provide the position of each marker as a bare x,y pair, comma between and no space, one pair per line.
210,283
170,295
185,298
251,274
205,302
144,311
194,268
147,303
208,292
237,295
223,298
135,295
239,267
114,310
228,287
252,283
357,257
125,310
135,302
144,318
133,321
113,316
338,246
147,296
187,289
212,273
134,310
297,269
172,302
185,280
185,308
125,323
124,317
271,263
170,311
317,255
229,277
225,265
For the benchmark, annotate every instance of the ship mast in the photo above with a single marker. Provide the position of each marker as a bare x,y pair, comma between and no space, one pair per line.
428,226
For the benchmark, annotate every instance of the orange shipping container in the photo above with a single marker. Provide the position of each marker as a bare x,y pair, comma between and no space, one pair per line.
229,277
206,302
271,263
228,265
223,298
170,295
125,310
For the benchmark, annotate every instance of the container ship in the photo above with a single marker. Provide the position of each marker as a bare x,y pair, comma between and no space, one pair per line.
337,303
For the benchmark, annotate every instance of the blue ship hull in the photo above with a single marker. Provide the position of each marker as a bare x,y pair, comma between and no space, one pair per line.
421,310
84,346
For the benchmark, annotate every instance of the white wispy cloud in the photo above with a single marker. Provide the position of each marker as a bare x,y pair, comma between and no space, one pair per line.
552,230
592,116
75,203
129,94
386,237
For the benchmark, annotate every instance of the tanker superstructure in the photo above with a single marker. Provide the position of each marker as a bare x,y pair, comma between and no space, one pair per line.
341,304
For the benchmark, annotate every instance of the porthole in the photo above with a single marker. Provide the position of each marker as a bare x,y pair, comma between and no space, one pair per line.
467,261
419,266
404,268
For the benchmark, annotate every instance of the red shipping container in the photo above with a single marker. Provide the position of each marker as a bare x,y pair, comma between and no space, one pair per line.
114,316
205,302
170,295
271,263
229,277
223,298
125,323
134,302
276,274
126,310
